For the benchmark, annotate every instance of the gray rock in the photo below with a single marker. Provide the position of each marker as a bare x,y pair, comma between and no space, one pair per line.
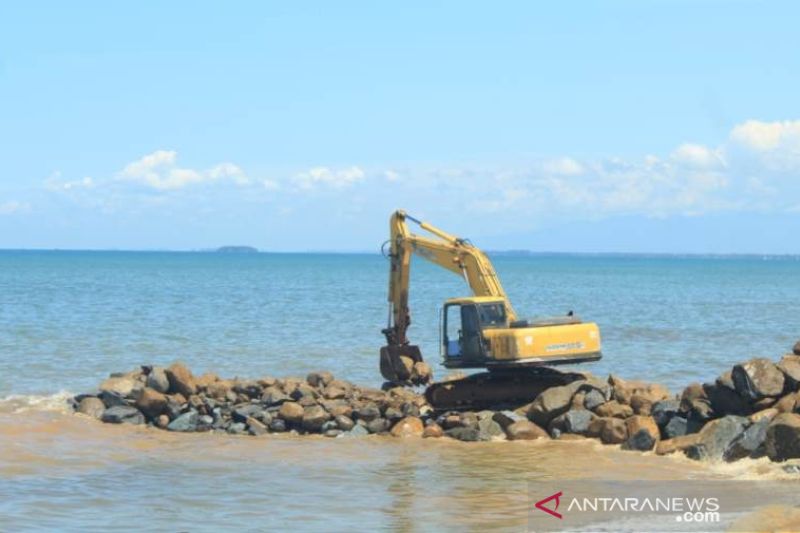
783,437
173,409
314,417
725,401
393,414
576,421
122,414
333,432
593,399
157,380
750,443
358,431
277,425
91,406
664,410
488,429
642,440
327,426
367,412
237,428
506,418
552,402
112,399
205,423
242,412
757,378
377,425
466,434
410,409
319,379
344,423
716,437
274,396
679,426
186,422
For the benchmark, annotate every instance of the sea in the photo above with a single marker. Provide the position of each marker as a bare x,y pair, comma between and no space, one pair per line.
70,318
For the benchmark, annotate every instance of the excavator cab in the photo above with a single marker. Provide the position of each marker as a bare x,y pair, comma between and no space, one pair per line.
464,320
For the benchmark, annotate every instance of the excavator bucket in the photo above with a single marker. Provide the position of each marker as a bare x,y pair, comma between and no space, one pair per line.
404,365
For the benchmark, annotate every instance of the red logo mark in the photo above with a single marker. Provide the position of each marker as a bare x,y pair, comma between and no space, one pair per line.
541,504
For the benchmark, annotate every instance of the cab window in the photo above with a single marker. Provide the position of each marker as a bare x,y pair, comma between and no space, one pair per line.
492,315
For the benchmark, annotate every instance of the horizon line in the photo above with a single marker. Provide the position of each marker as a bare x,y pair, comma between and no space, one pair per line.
506,252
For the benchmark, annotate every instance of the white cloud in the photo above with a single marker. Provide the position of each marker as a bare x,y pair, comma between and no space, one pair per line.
697,156
563,166
325,176
13,207
159,171
764,136
391,175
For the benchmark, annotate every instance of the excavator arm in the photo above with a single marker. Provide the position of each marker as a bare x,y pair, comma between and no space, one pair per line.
402,362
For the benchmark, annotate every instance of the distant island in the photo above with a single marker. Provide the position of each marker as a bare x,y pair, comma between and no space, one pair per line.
237,250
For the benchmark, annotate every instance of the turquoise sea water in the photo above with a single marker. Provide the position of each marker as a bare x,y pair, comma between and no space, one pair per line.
69,318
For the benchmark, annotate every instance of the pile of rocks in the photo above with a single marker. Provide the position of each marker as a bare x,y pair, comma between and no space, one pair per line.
750,411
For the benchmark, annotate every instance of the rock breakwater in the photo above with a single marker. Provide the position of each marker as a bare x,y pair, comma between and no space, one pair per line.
752,410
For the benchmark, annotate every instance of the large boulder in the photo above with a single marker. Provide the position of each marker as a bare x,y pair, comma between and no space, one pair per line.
716,437
614,409
122,386
488,429
157,380
758,378
91,406
576,421
663,411
185,423
552,402
181,379
506,418
409,426
593,399
783,437
679,426
319,379
790,366
122,414
291,412
608,429
625,390
151,402
525,430
724,401
750,443
314,417
642,433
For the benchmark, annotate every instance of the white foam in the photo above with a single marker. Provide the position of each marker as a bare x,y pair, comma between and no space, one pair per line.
20,403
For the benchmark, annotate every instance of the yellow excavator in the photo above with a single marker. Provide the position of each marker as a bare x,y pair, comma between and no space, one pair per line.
478,331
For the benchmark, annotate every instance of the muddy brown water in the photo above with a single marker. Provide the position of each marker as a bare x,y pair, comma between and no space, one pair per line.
65,471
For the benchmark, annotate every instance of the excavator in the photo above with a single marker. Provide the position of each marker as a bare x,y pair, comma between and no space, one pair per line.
481,331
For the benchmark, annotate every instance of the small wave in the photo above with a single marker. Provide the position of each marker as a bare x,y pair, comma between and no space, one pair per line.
20,403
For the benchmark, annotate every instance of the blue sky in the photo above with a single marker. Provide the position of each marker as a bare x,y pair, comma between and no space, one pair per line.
574,126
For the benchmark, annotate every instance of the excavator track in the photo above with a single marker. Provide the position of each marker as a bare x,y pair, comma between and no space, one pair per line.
498,388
